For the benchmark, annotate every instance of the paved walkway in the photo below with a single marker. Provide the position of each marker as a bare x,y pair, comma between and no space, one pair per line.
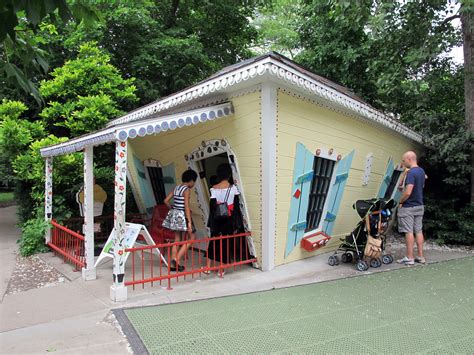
426,309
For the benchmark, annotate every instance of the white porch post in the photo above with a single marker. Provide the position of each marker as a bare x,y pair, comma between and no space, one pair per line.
118,291
48,196
89,272
269,115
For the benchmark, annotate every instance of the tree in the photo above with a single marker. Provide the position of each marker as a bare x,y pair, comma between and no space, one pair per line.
168,45
85,93
20,56
467,18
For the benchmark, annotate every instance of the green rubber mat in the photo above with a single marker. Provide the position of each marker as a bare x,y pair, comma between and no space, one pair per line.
423,309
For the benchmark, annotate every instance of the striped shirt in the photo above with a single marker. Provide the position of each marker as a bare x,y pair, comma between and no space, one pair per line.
178,197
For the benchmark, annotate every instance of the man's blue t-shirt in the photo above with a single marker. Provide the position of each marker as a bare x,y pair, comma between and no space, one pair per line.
415,177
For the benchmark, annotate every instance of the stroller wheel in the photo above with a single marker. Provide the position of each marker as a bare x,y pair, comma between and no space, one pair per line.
375,263
387,259
346,257
333,260
362,265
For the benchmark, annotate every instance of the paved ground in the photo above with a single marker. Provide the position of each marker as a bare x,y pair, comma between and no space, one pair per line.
426,309
74,316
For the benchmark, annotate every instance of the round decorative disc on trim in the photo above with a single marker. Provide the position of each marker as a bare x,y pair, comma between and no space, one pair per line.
142,131
212,115
173,125
122,135
189,121
196,119
181,122
157,128
165,126
220,113
203,117
149,129
132,133
226,110
223,143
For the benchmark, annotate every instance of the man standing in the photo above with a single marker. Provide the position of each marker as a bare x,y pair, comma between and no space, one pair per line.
411,209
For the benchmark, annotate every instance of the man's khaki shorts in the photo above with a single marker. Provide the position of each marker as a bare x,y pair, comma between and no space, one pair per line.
410,219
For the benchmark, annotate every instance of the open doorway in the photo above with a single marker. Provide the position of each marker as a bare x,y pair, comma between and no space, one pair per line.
205,160
208,169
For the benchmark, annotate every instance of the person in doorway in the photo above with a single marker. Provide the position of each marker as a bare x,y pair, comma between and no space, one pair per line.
224,191
179,217
411,210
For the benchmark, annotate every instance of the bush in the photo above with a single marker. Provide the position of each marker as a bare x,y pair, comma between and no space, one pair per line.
448,224
32,240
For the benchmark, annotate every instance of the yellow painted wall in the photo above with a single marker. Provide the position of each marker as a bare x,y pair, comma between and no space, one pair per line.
242,131
300,120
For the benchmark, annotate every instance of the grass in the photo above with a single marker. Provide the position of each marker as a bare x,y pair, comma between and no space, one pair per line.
6,196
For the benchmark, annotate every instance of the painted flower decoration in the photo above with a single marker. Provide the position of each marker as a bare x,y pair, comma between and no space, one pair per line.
121,155
122,144
121,188
120,252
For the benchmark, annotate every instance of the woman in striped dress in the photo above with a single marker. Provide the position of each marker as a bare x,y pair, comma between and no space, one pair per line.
179,217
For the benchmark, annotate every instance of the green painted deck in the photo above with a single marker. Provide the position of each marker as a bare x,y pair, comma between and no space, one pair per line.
422,309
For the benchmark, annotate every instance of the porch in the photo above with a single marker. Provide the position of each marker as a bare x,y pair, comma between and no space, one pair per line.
147,261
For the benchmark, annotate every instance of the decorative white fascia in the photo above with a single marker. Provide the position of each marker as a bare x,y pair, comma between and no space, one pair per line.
162,124
140,129
79,143
283,73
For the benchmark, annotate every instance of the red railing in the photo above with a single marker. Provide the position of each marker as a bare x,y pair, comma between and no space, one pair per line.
228,252
68,244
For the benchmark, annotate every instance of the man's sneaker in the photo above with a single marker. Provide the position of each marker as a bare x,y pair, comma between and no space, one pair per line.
406,261
420,259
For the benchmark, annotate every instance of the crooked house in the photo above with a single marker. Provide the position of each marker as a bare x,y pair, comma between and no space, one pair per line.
302,150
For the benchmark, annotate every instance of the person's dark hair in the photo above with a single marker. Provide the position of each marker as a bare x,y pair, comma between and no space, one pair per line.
224,172
213,180
189,175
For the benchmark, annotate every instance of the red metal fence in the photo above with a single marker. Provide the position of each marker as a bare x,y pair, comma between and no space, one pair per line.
68,244
150,266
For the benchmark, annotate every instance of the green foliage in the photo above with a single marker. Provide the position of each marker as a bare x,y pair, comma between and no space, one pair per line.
32,238
449,223
16,135
68,172
85,93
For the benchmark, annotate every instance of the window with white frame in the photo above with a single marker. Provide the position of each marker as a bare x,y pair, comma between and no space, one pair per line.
322,174
155,176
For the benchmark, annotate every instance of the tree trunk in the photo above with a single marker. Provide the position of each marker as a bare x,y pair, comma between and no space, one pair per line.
467,16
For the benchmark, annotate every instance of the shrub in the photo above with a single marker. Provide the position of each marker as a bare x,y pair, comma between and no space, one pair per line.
32,239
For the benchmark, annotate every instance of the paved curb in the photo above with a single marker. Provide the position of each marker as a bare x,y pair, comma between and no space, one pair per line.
128,329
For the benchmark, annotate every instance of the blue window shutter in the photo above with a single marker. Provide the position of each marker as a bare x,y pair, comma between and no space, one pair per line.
302,175
398,193
336,192
169,178
386,178
146,190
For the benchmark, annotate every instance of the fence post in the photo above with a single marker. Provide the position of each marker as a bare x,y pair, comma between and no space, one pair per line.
118,290
48,196
89,272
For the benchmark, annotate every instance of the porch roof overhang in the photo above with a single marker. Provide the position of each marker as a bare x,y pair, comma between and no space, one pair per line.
153,125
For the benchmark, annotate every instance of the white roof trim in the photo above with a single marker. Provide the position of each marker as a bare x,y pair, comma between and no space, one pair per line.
172,122
142,128
79,143
282,73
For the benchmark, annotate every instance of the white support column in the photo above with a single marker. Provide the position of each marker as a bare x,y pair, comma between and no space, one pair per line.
48,196
269,115
89,272
118,291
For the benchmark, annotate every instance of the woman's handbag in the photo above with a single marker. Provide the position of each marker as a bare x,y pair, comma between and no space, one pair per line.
222,209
